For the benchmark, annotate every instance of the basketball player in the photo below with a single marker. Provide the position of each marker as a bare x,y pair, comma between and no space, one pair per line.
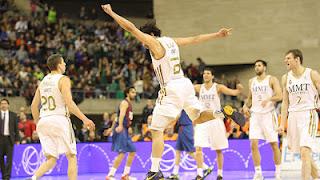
121,140
213,133
300,100
185,142
264,92
54,127
176,91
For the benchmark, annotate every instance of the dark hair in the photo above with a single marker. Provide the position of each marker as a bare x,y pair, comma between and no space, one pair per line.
127,90
4,99
264,63
53,61
151,28
209,69
296,53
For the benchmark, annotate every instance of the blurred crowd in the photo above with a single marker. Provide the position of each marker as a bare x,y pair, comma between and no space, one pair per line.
102,59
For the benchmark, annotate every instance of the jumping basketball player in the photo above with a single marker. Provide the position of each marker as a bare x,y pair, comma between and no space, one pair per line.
176,92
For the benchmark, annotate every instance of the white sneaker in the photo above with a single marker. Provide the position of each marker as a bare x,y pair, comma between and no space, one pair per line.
258,176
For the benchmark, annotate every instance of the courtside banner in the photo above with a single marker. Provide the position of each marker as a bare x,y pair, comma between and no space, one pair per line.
292,161
98,158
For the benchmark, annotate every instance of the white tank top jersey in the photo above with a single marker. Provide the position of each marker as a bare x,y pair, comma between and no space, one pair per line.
52,102
168,67
303,95
210,98
261,91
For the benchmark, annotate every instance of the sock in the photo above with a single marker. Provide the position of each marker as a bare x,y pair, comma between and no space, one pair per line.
220,172
126,170
200,172
155,164
112,171
205,166
278,169
258,169
175,169
34,177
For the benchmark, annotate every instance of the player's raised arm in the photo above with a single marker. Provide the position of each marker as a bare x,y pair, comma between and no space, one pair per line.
224,32
149,41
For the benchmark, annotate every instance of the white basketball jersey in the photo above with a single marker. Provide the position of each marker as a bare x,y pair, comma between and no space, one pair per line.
210,98
302,93
52,102
168,67
261,91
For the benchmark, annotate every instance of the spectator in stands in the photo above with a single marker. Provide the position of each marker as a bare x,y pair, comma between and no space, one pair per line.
147,111
26,127
232,84
52,15
201,65
21,25
83,14
146,133
93,14
138,85
4,5
106,124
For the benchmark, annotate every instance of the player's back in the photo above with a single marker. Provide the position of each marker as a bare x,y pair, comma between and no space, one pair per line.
52,102
168,67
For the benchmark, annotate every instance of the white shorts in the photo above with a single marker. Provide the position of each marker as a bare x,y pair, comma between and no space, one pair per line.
178,94
264,126
302,130
56,135
211,134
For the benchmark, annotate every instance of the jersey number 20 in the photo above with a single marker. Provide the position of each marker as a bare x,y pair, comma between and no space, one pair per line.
48,103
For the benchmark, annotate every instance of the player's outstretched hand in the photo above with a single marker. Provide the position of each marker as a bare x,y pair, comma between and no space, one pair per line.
224,32
89,124
240,87
281,130
107,8
119,129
